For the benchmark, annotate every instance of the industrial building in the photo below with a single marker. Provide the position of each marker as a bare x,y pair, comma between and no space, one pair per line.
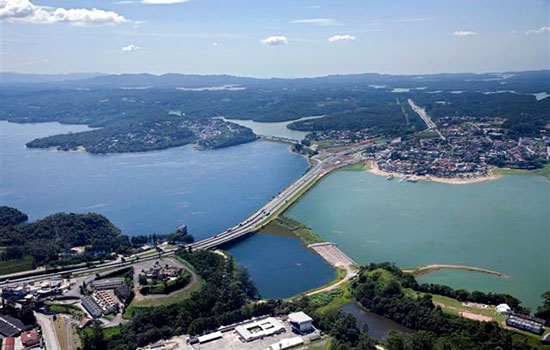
10,327
301,322
526,323
111,283
259,329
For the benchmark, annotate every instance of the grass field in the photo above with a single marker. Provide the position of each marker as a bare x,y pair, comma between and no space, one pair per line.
522,172
67,309
174,298
285,226
16,265
356,167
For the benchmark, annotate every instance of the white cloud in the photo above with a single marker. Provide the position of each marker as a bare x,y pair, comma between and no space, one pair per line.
25,11
464,33
316,21
538,31
275,40
163,2
130,48
341,38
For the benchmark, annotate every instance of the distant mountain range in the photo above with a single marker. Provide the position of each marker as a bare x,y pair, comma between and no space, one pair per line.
529,80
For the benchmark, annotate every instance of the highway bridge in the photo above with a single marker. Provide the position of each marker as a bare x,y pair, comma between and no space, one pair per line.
249,226
280,202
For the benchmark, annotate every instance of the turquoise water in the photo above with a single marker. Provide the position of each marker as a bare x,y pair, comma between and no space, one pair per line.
143,193
502,225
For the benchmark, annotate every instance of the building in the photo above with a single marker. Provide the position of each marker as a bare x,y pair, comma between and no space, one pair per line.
111,283
105,301
91,307
286,343
503,309
301,322
209,337
10,327
30,339
8,343
259,329
526,323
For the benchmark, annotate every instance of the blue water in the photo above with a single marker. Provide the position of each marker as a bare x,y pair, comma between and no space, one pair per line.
151,192
148,192
280,266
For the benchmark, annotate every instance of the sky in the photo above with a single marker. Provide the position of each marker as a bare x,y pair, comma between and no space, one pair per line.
279,38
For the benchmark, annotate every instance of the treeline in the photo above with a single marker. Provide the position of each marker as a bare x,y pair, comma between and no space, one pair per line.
50,239
155,238
385,297
11,216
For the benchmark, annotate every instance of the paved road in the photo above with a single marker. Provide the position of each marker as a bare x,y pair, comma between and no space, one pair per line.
48,331
425,117
269,211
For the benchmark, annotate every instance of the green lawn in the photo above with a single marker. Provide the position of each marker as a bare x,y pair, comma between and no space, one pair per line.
16,265
285,226
540,172
356,167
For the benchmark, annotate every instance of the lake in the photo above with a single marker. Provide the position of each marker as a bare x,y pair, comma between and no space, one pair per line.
276,129
502,225
143,193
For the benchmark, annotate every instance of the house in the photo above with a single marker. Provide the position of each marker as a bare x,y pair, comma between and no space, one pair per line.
503,309
30,339
526,323
301,322
8,343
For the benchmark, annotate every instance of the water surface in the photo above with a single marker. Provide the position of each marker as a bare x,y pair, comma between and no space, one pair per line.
502,225
379,327
280,266
151,192
276,129
143,193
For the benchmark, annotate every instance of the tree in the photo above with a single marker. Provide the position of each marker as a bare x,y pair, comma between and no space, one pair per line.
543,311
96,340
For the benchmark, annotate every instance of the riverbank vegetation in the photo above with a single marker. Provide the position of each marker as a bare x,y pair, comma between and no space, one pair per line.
286,226
544,171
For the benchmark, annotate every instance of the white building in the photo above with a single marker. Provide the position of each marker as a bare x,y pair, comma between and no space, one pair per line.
259,329
301,321
503,309
286,343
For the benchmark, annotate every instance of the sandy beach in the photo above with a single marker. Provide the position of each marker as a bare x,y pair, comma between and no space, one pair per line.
373,169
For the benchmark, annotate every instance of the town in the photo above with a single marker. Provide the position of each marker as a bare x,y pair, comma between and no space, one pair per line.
464,147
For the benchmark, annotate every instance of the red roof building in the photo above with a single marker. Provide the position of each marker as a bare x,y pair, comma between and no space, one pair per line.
30,339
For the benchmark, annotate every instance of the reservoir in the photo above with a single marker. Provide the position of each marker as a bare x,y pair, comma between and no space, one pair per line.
503,225
153,192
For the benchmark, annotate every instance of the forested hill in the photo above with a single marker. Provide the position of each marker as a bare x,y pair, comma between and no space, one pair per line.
46,239
140,112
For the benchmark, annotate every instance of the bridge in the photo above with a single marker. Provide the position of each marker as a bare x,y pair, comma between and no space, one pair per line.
280,202
249,226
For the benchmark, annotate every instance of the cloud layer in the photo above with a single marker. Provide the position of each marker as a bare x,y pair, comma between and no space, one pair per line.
275,40
130,48
316,21
464,33
538,31
25,11
341,38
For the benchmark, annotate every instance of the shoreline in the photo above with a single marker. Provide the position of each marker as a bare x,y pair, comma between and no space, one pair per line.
374,169
428,269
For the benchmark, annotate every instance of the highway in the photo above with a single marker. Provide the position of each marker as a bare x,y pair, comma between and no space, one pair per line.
425,117
269,211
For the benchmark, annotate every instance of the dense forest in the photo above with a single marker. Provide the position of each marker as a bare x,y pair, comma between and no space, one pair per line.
48,239
11,216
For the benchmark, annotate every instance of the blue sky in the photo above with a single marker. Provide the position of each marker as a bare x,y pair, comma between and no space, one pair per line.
283,38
